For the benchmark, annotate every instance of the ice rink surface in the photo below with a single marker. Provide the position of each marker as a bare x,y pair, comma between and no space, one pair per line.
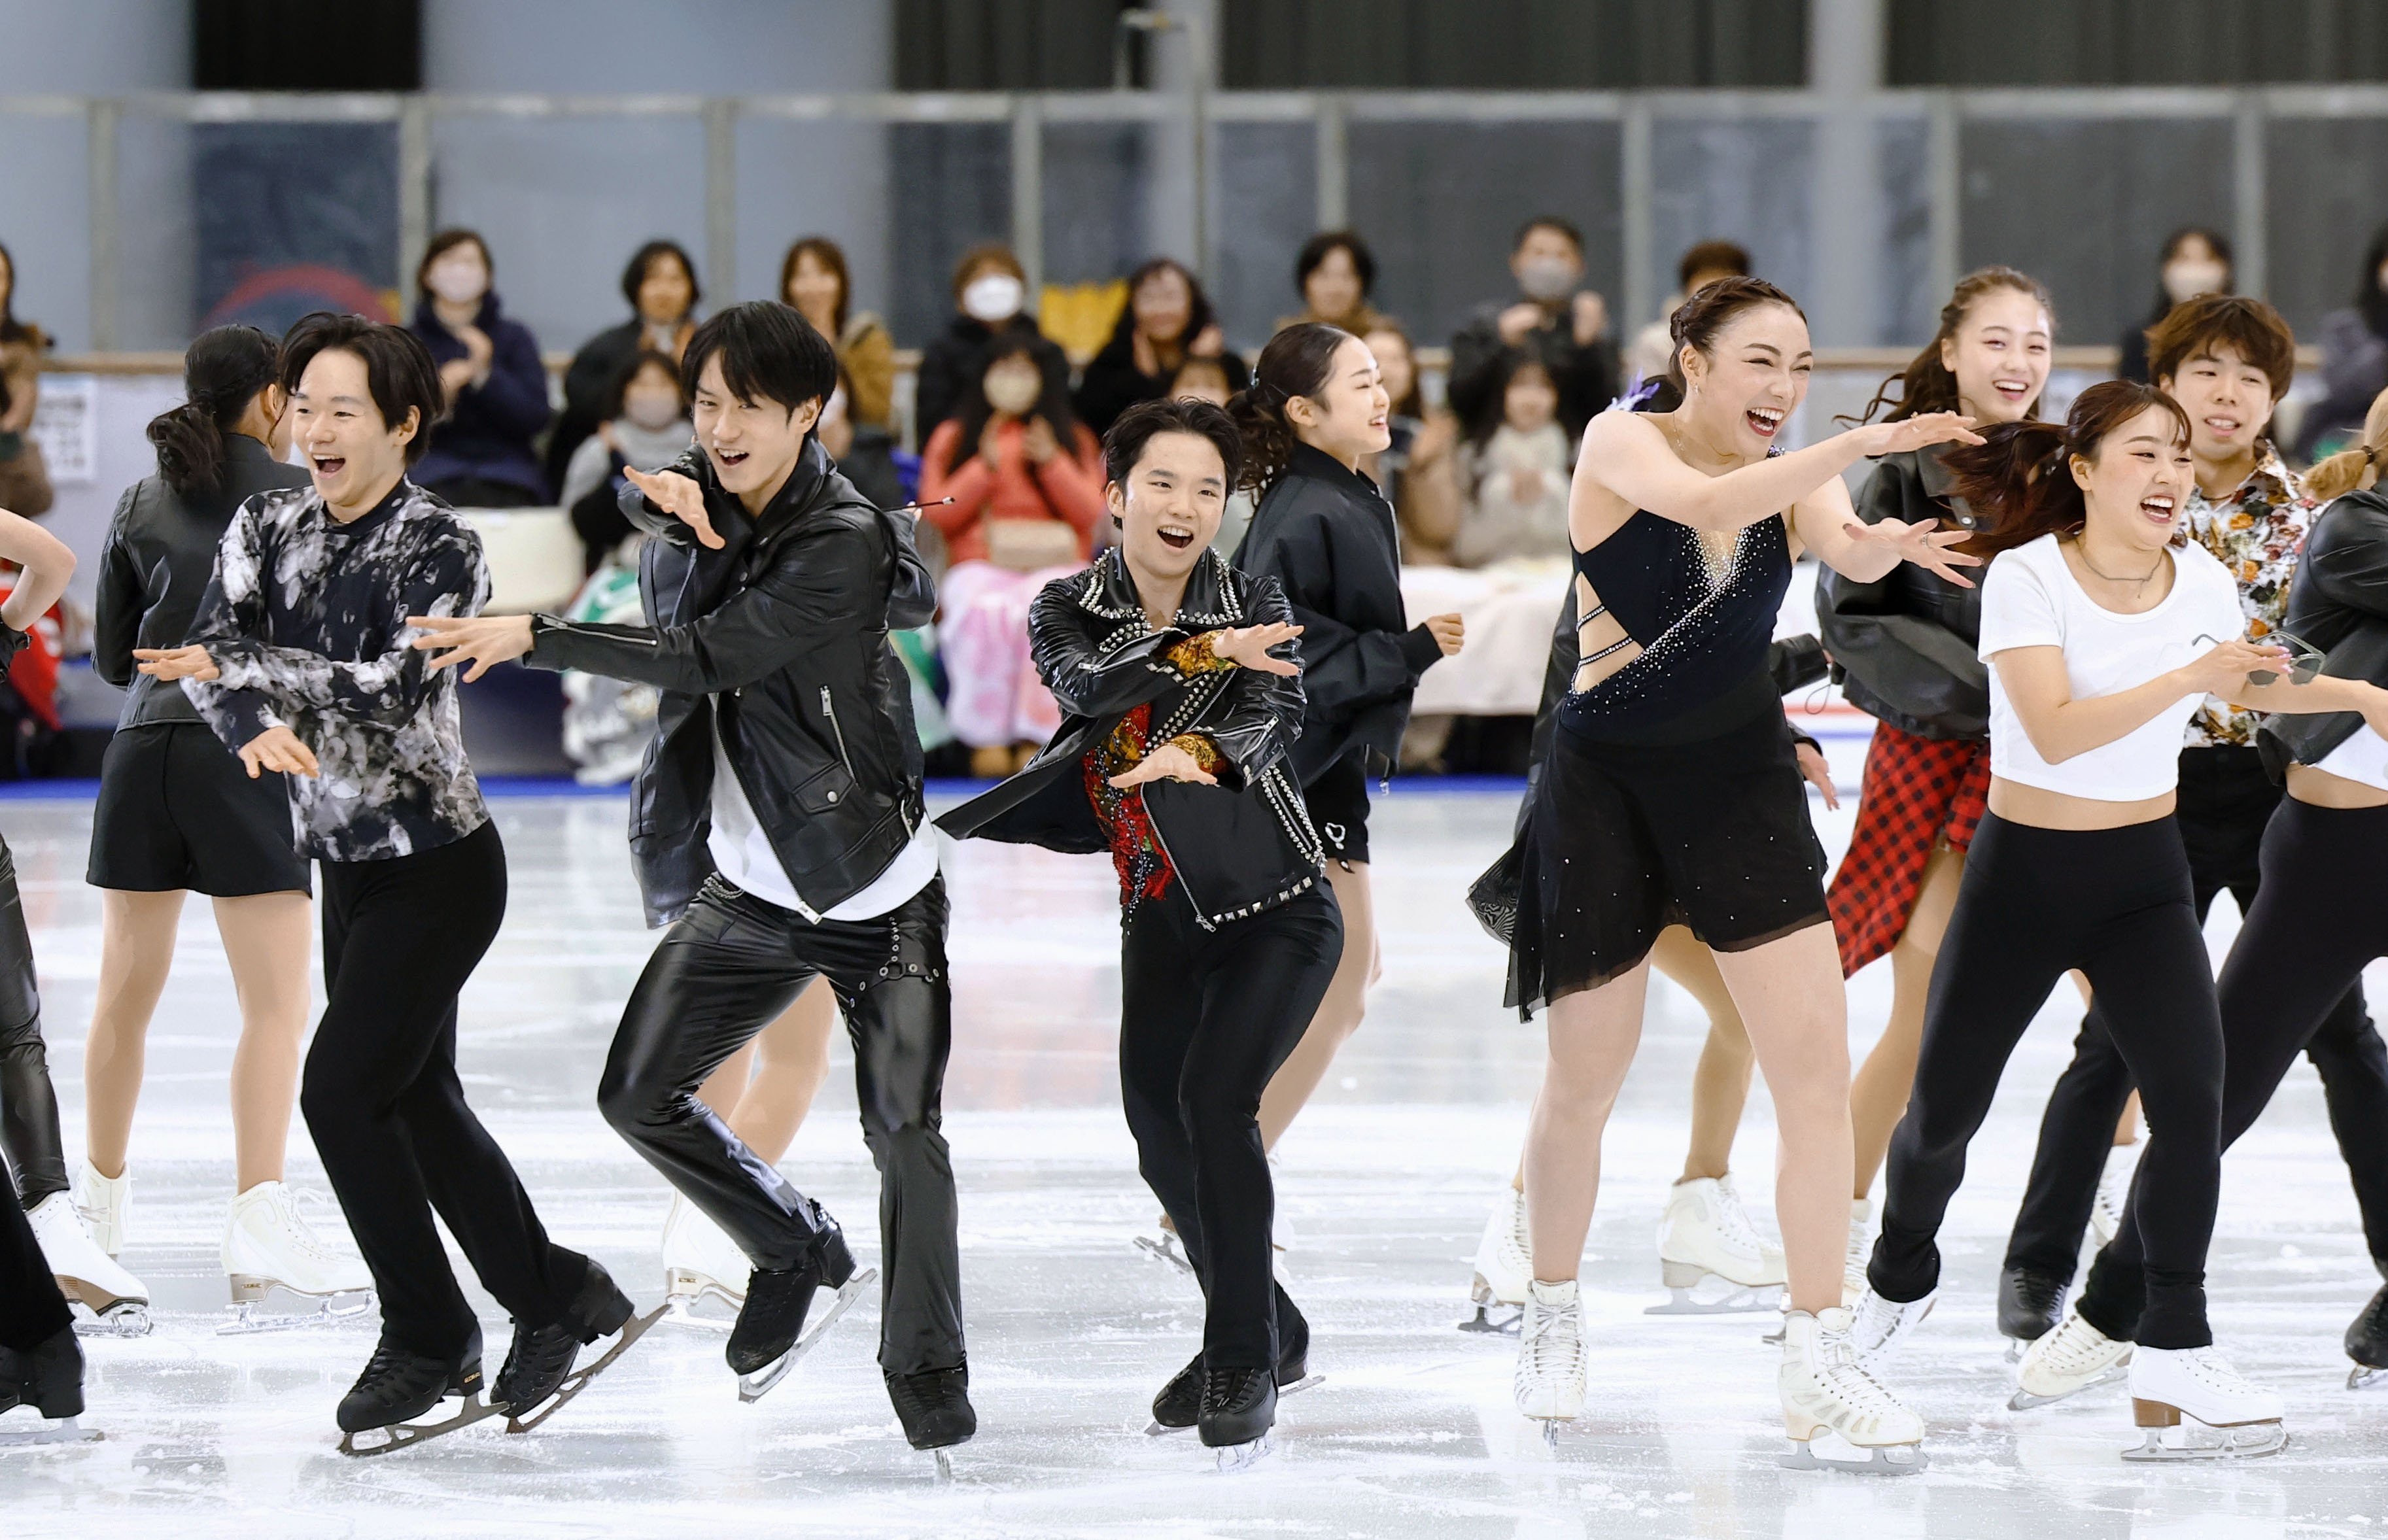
1387,1181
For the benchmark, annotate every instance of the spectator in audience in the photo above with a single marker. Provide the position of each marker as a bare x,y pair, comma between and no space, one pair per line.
1653,348
1416,469
1556,320
1027,483
1167,320
645,428
480,454
814,280
1515,468
660,283
990,299
2196,261
863,453
24,478
1334,274
2354,360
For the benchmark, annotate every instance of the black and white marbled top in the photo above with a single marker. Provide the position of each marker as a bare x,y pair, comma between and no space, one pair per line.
306,621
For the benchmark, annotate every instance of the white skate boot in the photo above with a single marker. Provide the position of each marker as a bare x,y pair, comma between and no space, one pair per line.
2074,1357
267,1244
1504,1267
86,1275
1839,1416
2114,1191
1853,1270
102,1201
1878,1325
1549,1386
2192,1405
701,1264
1706,1234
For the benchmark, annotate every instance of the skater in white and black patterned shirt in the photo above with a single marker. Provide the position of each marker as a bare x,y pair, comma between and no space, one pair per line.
301,663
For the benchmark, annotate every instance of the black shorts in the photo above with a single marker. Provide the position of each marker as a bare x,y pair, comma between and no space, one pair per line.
177,809
1337,802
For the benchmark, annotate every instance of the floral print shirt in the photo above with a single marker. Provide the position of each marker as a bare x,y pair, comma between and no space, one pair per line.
2256,531
1137,851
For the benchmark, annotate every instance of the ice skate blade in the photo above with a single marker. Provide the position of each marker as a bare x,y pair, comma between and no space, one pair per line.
945,1466
681,1310
1741,1300
1508,1325
249,1320
66,1430
1165,1249
1838,1453
126,1317
685,1290
2024,1400
2189,1439
1155,1430
405,1435
1235,1458
2364,1376
753,1387
577,1380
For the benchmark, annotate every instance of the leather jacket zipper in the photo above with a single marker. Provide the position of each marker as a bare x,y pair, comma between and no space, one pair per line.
553,623
1200,917
837,732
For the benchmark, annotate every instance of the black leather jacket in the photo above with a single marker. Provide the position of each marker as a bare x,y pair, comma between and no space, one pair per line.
2337,602
781,636
1241,847
1903,646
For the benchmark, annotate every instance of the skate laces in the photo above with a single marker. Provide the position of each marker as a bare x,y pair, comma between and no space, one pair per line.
1553,1339
2210,1369
2075,1346
1733,1221
1849,1381
291,1211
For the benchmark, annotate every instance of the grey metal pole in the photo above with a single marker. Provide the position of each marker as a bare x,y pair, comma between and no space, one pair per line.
721,197
2249,190
1641,290
1028,189
1334,161
99,131
1844,69
414,211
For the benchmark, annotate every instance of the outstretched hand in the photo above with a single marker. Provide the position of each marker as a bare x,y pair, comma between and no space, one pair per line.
485,641
176,662
1923,542
1166,763
1248,647
1919,432
681,498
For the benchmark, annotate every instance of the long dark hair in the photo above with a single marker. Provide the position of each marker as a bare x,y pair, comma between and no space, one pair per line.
1511,362
2018,478
1926,384
11,329
1699,320
1197,310
222,371
2371,300
1297,361
821,249
1052,403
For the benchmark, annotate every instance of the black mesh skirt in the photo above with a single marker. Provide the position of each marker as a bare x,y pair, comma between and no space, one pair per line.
1620,840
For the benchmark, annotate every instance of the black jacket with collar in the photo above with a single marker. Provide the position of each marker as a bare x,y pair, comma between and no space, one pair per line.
780,639
1239,847
1327,534
2337,602
159,557
1903,646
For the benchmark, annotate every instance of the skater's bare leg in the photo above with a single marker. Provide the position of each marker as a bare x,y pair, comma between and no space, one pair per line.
1339,1015
136,948
2127,1129
1592,1034
1878,1095
1721,1082
269,941
769,1086
1790,995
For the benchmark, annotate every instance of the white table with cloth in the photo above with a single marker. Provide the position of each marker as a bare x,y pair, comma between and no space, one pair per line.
1509,609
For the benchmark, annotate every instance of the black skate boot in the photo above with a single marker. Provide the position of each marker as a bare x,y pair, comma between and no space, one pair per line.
769,1336
2030,1304
400,1384
1239,1410
934,1407
2367,1339
48,1377
1179,1405
539,1365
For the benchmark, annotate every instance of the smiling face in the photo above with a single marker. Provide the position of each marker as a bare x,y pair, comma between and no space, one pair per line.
1741,393
354,456
2001,356
1347,416
664,293
1163,306
1169,507
1333,287
814,289
2137,482
754,445
2229,401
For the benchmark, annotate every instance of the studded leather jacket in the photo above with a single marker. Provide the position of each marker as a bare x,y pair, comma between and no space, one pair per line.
1903,646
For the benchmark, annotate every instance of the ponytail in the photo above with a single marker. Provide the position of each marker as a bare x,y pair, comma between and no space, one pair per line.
1926,384
222,374
2019,478
1297,361
2342,471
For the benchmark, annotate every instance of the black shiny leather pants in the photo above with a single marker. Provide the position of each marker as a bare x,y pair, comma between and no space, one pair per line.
29,1108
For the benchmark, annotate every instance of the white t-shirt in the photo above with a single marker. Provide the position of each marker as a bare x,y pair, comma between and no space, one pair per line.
743,854
2363,757
2031,599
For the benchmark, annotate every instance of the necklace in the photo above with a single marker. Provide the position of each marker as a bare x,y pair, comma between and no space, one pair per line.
2136,583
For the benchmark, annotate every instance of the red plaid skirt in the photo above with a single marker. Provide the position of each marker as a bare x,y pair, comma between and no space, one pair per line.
1917,791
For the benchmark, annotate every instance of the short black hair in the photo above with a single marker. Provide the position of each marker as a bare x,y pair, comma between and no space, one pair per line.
644,258
769,353
1551,222
399,373
1146,421
1313,252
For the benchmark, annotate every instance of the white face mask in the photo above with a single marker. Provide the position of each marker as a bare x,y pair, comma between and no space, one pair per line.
1013,391
1545,279
651,410
992,297
459,281
2185,281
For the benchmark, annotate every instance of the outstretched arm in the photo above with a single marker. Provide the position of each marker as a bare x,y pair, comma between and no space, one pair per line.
1827,525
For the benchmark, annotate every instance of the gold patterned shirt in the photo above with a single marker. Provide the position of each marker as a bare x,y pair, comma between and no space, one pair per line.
2256,531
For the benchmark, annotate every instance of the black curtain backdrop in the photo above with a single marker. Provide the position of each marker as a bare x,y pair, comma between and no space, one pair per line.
1513,44
307,44
2136,42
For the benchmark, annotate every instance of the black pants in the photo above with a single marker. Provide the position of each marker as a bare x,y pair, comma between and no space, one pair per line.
387,1113
28,1106
2033,903
2318,919
2226,801
719,976
31,1309
1206,1017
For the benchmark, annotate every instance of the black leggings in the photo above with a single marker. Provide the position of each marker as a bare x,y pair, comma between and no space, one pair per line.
2318,919
2034,903
1206,1017
2227,799
382,1099
31,1308
28,1106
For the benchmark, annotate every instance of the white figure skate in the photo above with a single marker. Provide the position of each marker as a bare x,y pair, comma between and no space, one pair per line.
1878,1325
2192,1405
2114,1191
1839,1416
2074,1357
702,1267
116,1303
269,1245
102,1201
1504,1267
1706,1234
1550,1381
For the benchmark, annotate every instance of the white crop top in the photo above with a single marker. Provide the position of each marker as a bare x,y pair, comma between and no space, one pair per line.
2031,599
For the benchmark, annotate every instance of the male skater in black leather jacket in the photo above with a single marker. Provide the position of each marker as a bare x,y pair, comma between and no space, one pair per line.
783,794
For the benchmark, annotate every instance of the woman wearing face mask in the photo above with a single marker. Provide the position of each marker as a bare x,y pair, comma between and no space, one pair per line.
2354,360
1904,645
645,428
660,283
2196,261
813,280
1334,272
990,296
1168,320
1025,481
480,454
